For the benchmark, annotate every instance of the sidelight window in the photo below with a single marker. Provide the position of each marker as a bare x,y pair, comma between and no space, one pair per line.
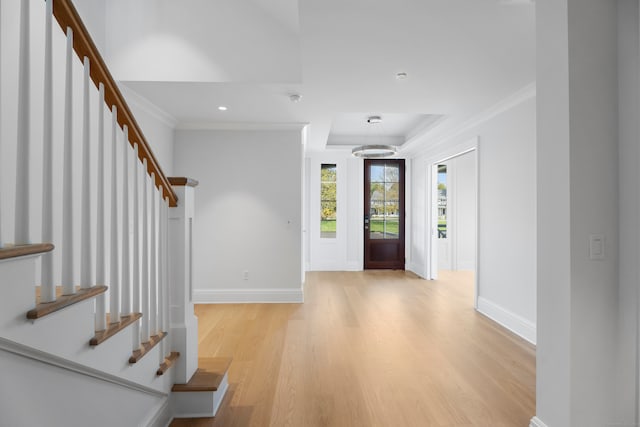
328,201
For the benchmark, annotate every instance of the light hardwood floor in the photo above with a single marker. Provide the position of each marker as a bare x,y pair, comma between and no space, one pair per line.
375,348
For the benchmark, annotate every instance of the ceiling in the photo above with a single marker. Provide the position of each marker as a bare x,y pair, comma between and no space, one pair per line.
350,129
341,56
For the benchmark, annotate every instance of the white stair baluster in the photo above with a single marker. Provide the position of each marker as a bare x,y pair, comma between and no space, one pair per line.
68,287
164,297
114,288
160,262
153,274
126,279
47,285
86,268
144,326
167,311
101,300
22,156
136,246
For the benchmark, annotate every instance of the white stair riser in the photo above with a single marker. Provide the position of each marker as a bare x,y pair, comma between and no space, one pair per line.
199,403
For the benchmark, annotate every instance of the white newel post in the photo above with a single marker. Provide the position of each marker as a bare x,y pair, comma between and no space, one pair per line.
184,323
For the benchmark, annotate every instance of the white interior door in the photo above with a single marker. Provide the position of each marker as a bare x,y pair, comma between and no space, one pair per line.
463,218
454,213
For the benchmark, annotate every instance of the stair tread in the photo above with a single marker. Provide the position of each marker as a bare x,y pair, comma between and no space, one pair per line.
193,422
168,362
114,328
146,347
11,251
63,301
208,376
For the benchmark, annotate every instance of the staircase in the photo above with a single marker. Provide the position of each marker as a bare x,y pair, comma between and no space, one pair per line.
96,324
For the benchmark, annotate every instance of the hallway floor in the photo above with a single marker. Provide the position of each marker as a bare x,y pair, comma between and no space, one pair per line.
374,348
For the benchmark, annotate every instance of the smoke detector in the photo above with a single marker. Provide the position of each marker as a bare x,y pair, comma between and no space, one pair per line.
374,119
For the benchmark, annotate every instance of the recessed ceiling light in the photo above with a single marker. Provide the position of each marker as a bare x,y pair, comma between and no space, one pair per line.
222,108
401,76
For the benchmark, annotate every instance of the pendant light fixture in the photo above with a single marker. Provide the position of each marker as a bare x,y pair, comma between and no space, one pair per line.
374,151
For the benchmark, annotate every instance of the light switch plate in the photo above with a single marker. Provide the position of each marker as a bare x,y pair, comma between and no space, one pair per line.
596,246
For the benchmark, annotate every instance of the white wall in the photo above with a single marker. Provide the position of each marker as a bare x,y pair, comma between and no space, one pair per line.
507,219
629,155
345,251
248,213
162,41
577,197
70,399
93,13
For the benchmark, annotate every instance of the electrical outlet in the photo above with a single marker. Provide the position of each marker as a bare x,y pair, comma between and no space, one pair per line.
245,275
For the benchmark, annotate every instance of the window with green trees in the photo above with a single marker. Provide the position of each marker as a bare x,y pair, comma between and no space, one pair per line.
442,201
328,201
384,202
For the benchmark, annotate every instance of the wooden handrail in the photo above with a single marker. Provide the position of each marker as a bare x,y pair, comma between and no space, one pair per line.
68,17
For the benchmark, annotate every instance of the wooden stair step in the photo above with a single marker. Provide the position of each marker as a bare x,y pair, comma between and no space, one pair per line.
208,376
168,362
63,301
114,328
146,347
14,251
193,422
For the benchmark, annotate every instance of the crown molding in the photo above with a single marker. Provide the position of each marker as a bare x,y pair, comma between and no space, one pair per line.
425,141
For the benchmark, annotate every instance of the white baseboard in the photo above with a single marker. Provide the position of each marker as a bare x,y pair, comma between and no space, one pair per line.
535,422
329,266
417,269
516,324
231,296
336,266
466,265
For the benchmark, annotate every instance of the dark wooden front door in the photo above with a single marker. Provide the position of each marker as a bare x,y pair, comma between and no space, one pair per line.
384,214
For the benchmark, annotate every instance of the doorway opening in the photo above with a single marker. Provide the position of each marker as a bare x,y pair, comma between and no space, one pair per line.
454,215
